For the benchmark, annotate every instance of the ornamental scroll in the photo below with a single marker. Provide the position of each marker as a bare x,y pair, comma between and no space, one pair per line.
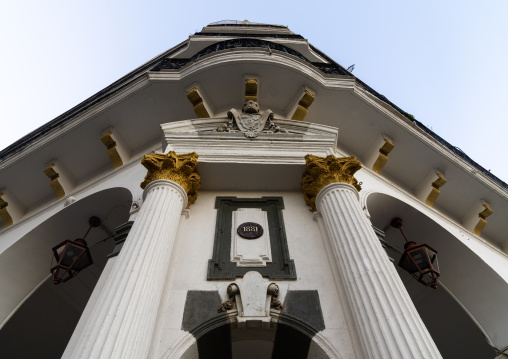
177,168
324,171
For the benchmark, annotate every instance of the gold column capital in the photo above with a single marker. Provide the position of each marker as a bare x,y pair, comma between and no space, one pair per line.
323,171
177,168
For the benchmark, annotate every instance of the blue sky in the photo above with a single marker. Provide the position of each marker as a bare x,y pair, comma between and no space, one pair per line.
444,62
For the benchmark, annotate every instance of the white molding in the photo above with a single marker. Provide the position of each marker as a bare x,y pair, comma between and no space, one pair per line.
233,147
82,189
430,141
37,144
392,190
252,56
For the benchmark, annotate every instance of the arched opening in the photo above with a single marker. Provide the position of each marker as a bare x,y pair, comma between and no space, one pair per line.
289,338
461,314
38,317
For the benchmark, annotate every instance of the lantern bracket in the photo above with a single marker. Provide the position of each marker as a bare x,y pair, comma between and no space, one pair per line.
72,256
418,260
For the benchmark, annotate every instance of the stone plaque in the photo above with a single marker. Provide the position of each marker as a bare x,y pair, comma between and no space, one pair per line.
250,230
234,255
247,224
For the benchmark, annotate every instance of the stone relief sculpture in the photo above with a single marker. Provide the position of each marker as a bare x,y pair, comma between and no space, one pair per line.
250,121
252,300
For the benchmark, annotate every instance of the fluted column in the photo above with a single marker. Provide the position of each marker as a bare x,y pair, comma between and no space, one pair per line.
386,320
123,319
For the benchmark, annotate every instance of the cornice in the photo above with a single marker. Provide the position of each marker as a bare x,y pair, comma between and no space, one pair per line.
83,188
415,131
88,103
46,139
275,148
260,56
435,214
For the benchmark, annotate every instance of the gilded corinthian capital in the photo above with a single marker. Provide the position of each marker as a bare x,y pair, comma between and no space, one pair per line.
323,171
177,168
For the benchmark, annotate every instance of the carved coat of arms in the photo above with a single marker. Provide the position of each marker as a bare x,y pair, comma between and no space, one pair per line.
250,121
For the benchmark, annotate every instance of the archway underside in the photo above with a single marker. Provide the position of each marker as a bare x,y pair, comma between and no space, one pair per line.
459,314
38,316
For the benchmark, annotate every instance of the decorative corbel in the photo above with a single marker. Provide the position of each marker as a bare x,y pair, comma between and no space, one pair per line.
434,192
229,303
382,158
53,175
252,300
11,209
251,89
273,292
4,214
483,219
198,103
428,189
110,143
303,106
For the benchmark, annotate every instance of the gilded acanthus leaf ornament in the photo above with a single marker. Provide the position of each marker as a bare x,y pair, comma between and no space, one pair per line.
323,171
177,168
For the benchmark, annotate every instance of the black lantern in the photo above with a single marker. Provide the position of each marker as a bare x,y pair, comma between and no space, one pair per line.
72,256
419,260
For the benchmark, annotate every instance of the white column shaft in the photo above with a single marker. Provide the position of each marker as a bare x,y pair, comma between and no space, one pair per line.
123,320
388,323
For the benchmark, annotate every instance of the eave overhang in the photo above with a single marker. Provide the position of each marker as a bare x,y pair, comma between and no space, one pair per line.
339,96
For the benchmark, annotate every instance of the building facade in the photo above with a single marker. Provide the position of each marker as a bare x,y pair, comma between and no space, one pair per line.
246,185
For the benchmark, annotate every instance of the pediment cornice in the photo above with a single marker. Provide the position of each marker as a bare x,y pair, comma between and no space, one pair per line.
200,135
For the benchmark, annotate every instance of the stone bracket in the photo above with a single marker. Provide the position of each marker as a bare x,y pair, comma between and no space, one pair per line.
251,88
57,188
434,192
476,219
482,222
382,158
429,188
4,214
60,181
303,105
112,148
252,302
198,103
11,209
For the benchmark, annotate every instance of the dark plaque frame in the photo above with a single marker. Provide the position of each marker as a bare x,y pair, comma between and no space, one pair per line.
220,266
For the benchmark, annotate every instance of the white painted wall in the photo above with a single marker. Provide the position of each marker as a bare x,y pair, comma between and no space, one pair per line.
195,247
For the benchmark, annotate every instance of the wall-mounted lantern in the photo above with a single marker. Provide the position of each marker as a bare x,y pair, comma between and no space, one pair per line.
72,256
419,260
